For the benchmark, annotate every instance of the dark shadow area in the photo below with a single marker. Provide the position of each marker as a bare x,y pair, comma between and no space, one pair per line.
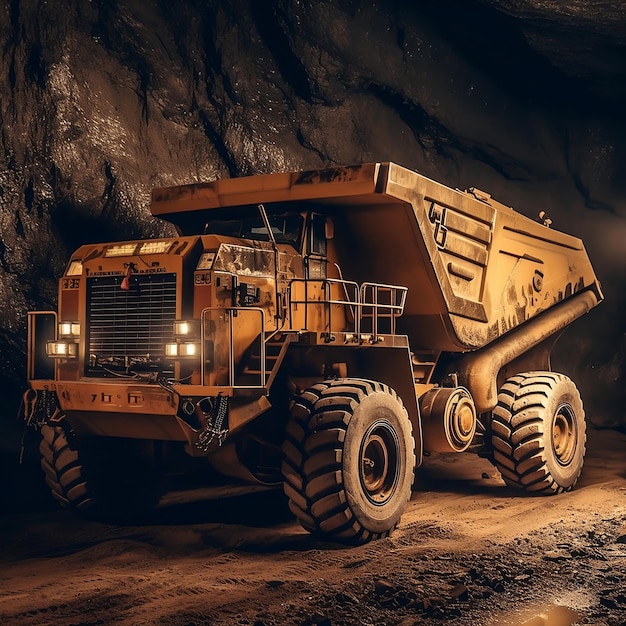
251,521
497,43
249,506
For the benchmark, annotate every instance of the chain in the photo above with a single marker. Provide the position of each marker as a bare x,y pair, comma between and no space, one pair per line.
39,407
215,426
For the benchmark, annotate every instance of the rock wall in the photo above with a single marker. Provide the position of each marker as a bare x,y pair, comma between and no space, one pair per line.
103,99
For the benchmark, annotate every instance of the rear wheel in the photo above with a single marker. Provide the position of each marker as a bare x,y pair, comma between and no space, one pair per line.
348,460
539,432
102,478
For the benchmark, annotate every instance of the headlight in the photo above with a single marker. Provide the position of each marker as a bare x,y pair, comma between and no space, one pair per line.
69,329
184,346
138,247
184,328
154,247
75,268
62,349
182,350
121,249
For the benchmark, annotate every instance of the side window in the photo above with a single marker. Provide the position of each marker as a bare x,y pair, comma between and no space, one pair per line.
317,245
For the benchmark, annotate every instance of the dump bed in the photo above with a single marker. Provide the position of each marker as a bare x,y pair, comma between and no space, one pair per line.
475,268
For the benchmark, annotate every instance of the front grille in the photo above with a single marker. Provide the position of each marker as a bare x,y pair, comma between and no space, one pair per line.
128,328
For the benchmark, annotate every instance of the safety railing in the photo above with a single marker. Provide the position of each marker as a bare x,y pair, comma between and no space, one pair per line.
234,340
380,306
371,308
312,302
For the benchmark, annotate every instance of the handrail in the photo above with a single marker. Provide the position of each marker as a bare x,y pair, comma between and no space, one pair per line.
391,310
370,300
326,286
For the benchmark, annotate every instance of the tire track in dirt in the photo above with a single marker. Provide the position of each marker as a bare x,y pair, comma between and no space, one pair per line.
464,553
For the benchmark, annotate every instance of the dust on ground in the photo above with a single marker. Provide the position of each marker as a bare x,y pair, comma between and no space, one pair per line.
468,551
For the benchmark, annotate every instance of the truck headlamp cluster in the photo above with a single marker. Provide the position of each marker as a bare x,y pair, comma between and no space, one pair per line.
66,344
185,344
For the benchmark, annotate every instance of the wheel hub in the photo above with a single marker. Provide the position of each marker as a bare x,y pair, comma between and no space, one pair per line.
564,434
379,463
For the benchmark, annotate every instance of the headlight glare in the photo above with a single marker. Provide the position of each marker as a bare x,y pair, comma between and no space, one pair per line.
62,349
69,329
186,328
182,350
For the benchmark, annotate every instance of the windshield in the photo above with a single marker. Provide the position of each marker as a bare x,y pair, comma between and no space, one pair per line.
286,228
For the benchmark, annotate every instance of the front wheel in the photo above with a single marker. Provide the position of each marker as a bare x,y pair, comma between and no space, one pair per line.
101,478
539,432
348,460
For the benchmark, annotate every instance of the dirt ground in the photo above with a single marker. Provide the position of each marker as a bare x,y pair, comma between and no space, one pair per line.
468,551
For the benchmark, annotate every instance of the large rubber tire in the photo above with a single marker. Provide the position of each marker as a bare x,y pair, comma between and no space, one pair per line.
539,433
349,460
99,478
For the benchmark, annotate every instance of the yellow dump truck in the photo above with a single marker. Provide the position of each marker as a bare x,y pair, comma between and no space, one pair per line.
321,330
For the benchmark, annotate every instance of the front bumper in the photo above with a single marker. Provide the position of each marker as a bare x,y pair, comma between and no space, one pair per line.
143,410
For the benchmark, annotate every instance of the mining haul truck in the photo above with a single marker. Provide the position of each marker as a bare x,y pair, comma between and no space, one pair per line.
320,330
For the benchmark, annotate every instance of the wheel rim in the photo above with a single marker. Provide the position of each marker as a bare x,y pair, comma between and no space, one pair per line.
379,462
564,434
